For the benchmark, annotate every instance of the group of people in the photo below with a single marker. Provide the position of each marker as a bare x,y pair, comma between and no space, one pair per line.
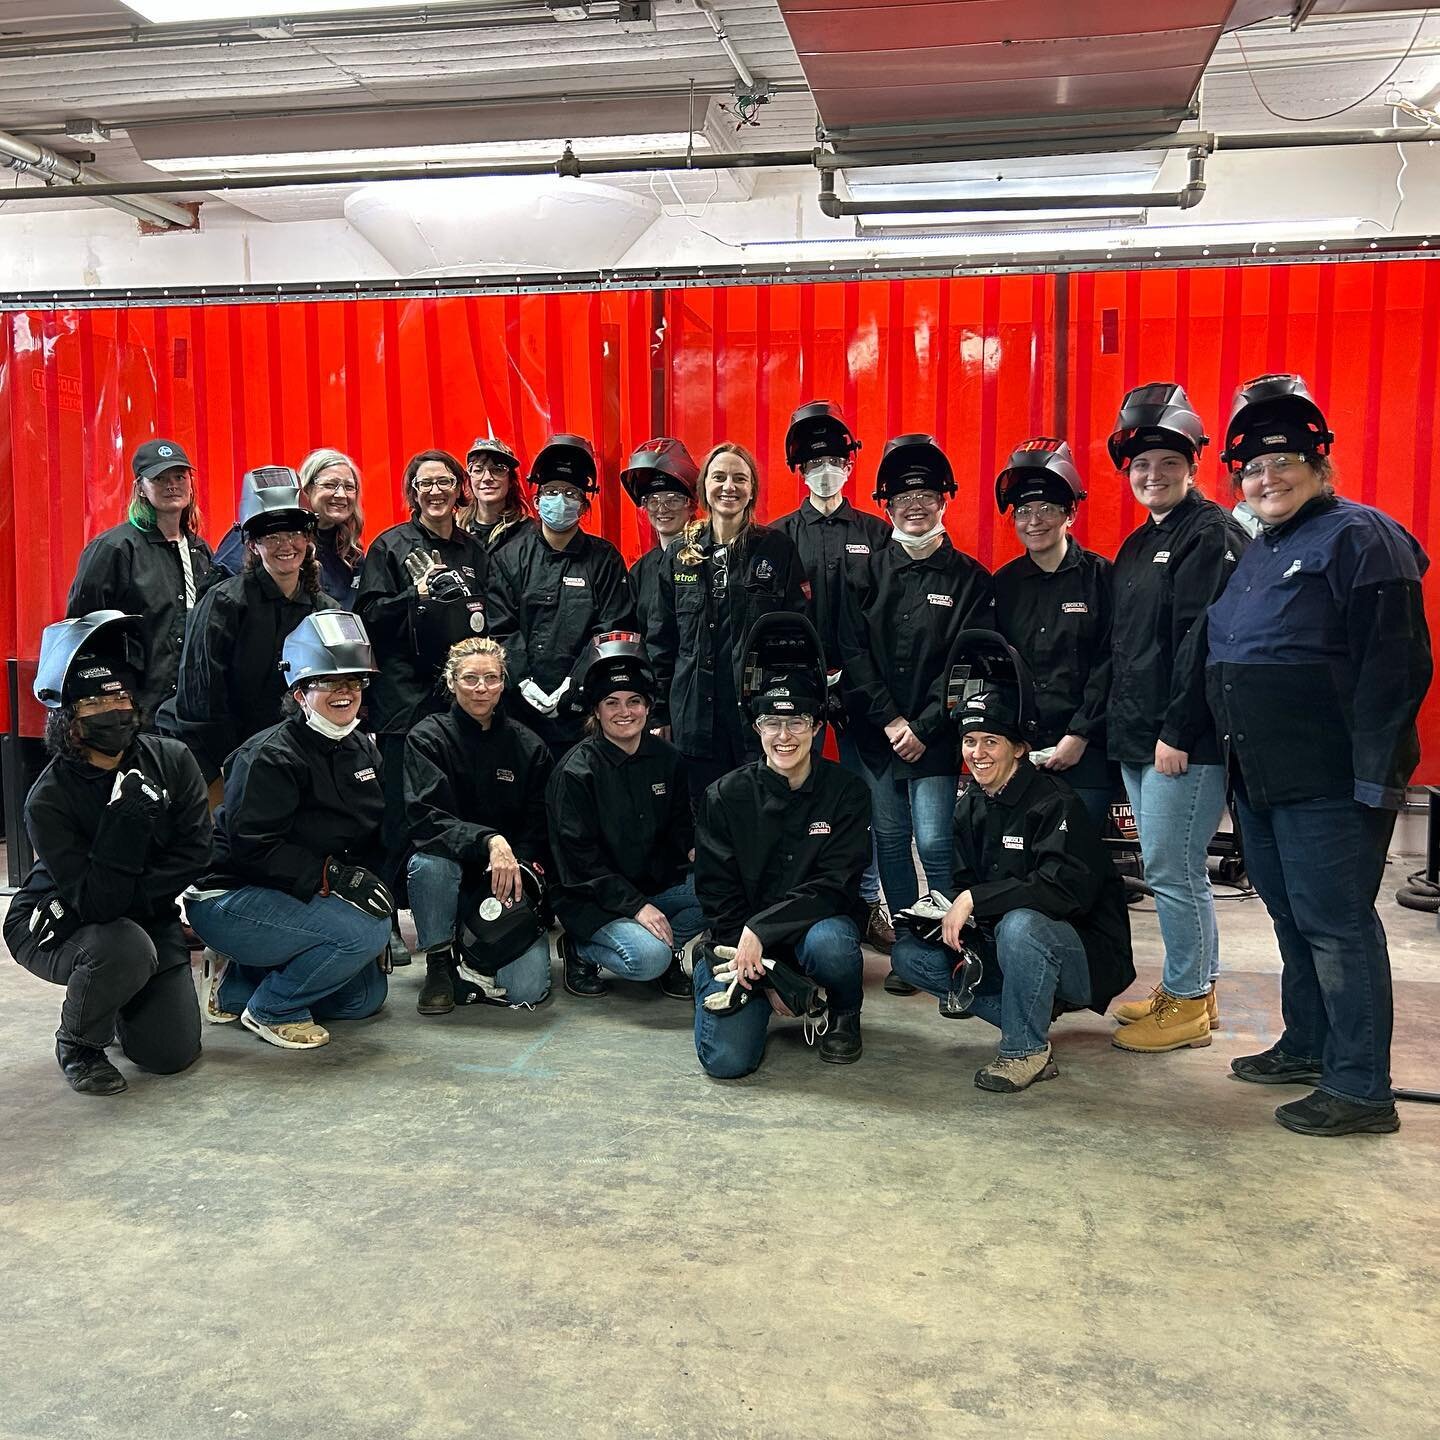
482,716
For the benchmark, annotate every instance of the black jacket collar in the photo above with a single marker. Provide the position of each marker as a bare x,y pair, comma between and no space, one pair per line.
1318,505
1016,794
811,516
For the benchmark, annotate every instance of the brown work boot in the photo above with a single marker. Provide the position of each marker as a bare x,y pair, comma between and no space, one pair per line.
1133,1010
1008,1075
1172,1024
879,932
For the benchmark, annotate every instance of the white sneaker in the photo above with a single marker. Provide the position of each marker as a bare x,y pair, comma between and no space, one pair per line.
302,1035
213,969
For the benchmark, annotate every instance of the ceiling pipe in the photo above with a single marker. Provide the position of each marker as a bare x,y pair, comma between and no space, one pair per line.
1185,199
40,160
717,24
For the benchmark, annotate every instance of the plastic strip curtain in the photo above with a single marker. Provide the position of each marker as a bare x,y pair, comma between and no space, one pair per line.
981,362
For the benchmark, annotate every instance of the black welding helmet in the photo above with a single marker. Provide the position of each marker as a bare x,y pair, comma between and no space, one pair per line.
1040,469
1156,417
660,464
614,660
987,679
491,933
913,462
1273,414
104,640
569,459
324,645
783,672
818,429
269,508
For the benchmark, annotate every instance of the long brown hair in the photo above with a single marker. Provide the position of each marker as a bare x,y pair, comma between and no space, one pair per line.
689,552
309,569
348,532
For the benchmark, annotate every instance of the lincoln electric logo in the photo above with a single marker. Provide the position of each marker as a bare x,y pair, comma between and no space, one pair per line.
368,773
819,827
1074,607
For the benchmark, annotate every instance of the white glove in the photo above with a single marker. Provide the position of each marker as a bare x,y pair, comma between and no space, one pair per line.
537,698
136,785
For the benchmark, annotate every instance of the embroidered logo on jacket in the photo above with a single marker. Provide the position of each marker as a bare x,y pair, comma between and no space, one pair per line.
1294,569
819,827
764,570
857,549
685,577
1013,842
1162,557
368,773
658,788
946,600
577,580
1074,607
507,775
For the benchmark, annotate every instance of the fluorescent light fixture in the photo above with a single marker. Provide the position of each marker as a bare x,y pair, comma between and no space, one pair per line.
592,147
180,12
979,219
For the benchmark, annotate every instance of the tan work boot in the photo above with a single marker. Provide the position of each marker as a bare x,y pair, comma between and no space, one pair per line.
1009,1075
1133,1010
1172,1024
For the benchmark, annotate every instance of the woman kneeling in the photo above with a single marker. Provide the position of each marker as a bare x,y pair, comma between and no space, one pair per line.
291,905
1048,908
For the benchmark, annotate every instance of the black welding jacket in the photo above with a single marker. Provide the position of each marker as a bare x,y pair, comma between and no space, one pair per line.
778,860
292,799
412,634
465,784
644,578
896,633
230,684
697,644
1165,578
834,550
139,572
106,865
1034,847
1059,621
621,830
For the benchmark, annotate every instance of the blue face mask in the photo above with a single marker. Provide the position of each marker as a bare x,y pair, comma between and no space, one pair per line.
559,512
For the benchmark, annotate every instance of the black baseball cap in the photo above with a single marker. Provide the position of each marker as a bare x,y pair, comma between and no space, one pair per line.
155,457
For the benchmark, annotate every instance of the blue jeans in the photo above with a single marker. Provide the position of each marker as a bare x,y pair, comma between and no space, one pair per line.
850,760
294,960
627,949
922,810
434,901
733,1045
1176,816
1039,958
1318,865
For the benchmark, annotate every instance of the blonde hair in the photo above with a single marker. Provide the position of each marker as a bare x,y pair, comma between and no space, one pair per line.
462,650
347,543
689,552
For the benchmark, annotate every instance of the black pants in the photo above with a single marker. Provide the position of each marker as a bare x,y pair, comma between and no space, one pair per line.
127,982
394,838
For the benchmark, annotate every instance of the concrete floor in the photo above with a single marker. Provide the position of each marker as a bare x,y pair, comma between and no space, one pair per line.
551,1225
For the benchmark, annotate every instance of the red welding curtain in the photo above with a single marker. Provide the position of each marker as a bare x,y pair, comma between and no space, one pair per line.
981,362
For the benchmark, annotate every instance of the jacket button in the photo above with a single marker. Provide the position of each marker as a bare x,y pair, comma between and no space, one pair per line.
1240,737
1228,688
1230,636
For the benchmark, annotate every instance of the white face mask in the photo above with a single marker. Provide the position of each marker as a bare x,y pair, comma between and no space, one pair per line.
328,728
826,480
918,542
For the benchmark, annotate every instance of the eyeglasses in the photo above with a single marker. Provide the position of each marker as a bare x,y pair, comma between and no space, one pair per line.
337,487
479,682
1038,510
498,468
566,492
916,500
1279,463
773,725
666,500
448,483
99,704
340,682
281,537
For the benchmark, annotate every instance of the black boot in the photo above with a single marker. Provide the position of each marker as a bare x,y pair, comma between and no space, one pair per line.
581,977
87,1069
840,1044
399,951
675,982
896,985
437,994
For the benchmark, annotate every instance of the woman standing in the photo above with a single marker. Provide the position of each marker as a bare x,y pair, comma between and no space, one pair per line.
120,827
917,593
230,685
622,834
1319,658
152,566
291,907
726,573
1158,727
330,483
1053,605
499,511
475,812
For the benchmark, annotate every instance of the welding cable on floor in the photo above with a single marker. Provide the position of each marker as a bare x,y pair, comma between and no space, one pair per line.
1418,893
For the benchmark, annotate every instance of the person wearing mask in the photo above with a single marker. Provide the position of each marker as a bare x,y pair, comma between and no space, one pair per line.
1053,605
330,484
553,588
421,589
291,907
622,834
724,574
1319,658
834,541
917,593
119,826
1037,901
230,685
780,845
475,813
499,511
663,481
1157,725
152,566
